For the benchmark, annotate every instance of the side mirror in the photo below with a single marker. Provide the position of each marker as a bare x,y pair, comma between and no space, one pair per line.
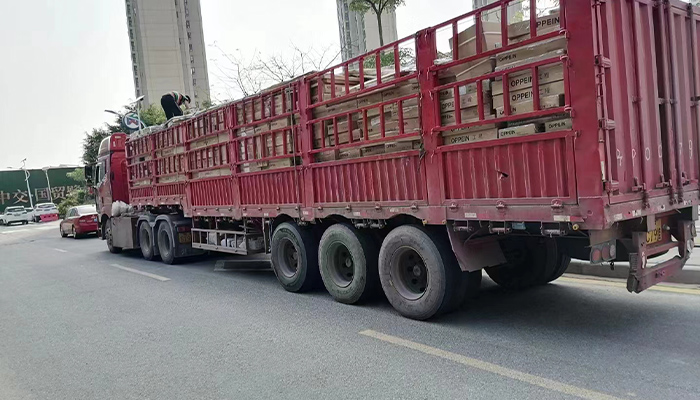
88,175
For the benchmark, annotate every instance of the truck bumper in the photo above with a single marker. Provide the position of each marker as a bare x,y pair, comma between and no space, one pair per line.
642,276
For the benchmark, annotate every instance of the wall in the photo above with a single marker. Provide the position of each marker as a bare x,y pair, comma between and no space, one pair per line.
13,189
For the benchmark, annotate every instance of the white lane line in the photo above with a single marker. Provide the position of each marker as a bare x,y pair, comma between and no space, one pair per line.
492,368
136,271
61,250
15,231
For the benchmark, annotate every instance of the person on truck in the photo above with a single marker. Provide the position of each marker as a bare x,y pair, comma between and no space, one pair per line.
171,103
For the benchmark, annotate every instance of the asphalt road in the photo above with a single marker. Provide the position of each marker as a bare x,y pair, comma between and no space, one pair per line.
79,323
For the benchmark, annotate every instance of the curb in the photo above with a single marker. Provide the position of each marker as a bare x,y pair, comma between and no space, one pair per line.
689,275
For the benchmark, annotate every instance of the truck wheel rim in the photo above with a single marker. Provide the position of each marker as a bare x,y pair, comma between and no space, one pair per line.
341,264
290,259
409,274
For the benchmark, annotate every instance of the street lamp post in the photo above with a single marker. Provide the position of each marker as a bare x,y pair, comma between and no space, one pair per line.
26,179
48,183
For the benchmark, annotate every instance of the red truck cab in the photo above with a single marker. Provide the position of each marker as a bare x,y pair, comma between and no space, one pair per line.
109,176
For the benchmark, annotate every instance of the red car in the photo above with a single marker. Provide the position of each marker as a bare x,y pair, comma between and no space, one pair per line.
79,221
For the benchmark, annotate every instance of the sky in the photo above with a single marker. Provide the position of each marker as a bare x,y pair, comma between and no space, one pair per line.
65,62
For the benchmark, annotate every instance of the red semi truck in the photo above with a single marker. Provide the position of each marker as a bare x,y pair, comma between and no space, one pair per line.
369,176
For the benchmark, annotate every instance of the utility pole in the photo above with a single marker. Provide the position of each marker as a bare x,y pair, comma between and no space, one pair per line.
48,183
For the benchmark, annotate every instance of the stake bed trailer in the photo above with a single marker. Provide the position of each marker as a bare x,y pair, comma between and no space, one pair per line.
620,184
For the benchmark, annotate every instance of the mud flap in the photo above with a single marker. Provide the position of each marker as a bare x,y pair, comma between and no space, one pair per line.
641,276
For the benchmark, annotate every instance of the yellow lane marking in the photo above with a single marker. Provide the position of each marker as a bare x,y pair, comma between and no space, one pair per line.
492,368
596,282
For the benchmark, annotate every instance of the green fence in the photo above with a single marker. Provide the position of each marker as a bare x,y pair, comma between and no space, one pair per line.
13,189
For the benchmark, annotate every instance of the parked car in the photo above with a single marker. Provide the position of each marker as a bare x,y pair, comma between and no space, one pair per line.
48,210
79,221
14,214
30,213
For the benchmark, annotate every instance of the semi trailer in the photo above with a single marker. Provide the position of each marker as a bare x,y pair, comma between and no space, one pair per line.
468,146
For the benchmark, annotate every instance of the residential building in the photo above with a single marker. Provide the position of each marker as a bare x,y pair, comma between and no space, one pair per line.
359,32
167,49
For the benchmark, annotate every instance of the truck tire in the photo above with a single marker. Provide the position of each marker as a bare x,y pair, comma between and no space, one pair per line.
294,256
166,244
146,241
347,261
419,272
110,241
563,261
530,261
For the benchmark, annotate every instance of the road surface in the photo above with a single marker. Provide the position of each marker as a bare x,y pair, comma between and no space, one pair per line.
79,323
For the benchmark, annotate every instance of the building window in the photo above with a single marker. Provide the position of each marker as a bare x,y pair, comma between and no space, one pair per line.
194,82
189,35
138,92
128,9
192,59
190,47
179,40
177,14
192,70
130,22
187,23
133,57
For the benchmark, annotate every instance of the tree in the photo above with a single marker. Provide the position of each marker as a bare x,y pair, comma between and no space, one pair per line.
91,144
75,197
245,76
378,7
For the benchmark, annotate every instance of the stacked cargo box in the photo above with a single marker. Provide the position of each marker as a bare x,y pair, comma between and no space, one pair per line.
469,94
350,119
271,139
550,88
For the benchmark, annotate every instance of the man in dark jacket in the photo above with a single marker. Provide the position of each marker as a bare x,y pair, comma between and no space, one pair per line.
171,103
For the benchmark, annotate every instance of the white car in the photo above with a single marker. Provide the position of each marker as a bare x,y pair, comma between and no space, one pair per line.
14,214
48,209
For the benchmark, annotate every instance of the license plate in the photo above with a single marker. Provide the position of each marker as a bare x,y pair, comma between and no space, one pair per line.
656,235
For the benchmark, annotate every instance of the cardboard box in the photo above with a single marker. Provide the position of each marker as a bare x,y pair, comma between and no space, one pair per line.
365,101
408,112
545,56
392,147
564,124
522,130
280,163
401,90
343,138
391,128
545,24
470,114
479,136
374,150
523,80
261,128
472,69
517,96
465,101
280,123
324,111
331,155
463,90
523,107
534,50
467,41
349,153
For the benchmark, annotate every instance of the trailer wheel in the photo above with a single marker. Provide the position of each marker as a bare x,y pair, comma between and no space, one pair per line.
294,256
348,263
530,261
563,261
146,241
419,273
110,241
166,244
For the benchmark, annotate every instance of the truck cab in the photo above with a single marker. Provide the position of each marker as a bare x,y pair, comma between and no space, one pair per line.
108,176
